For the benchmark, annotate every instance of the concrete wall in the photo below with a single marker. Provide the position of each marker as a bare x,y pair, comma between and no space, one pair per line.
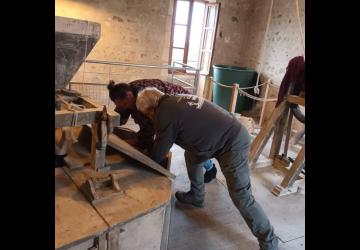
134,31
231,34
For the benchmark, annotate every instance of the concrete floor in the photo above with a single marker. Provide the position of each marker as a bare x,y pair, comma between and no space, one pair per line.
219,225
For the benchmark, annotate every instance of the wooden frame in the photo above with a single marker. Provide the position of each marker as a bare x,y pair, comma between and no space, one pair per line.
65,118
281,116
188,31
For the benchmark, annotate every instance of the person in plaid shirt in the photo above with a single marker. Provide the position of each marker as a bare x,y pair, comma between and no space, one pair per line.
124,97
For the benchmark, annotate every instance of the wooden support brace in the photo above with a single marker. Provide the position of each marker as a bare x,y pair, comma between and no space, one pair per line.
279,132
122,146
286,185
264,104
288,132
265,131
234,95
256,156
99,142
209,90
296,100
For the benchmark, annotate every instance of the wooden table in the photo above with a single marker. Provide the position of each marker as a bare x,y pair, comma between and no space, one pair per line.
138,219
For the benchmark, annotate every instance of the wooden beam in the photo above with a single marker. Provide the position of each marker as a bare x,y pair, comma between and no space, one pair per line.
98,145
288,132
287,185
256,156
122,146
264,104
279,132
265,130
234,95
209,90
296,100
294,170
64,118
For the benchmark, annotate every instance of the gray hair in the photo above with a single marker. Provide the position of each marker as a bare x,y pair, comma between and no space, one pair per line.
148,98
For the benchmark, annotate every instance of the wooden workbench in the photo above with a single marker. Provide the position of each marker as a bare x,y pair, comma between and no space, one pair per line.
138,219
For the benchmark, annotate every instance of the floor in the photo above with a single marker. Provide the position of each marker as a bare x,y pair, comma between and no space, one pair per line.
219,225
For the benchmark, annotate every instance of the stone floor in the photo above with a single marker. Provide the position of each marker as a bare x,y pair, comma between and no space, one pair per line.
219,225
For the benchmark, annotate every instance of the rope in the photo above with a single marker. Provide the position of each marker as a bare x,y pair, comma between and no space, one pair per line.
229,86
256,98
301,31
256,89
243,93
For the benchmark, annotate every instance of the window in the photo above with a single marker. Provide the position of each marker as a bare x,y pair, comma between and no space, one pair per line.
193,33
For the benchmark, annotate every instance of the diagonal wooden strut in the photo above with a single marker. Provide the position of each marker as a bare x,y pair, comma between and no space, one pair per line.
122,146
261,139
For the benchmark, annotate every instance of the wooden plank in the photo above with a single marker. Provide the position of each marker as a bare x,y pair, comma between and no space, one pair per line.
296,100
144,191
288,132
98,145
64,118
292,178
121,145
209,90
265,130
264,104
295,169
75,218
256,156
234,95
279,132
91,102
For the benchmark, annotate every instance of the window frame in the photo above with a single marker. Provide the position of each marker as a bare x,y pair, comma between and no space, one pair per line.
188,32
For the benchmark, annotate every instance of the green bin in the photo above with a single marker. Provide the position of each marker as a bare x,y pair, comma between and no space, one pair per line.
228,75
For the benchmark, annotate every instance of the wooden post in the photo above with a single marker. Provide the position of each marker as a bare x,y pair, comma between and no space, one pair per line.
99,142
209,89
280,127
279,132
288,131
264,103
234,95
255,156
265,131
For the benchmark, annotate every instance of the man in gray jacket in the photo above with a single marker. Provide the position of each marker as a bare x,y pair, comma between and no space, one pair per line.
184,120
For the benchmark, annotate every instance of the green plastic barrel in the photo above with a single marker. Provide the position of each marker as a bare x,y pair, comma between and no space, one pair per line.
228,75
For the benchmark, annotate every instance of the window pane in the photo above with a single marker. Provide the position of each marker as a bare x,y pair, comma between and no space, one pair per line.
211,17
182,12
205,60
177,55
179,36
208,39
195,34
